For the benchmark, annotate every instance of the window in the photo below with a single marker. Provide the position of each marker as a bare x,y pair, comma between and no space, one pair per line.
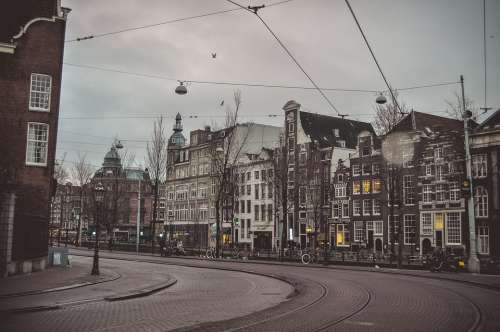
269,190
438,154
479,166
256,175
376,169
256,212
407,158
302,158
302,195
409,228
355,170
366,168
481,201
366,186
40,92
377,185
342,235
356,188
393,229
358,231
378,228
340,178
337,210
440,172
242,190
345,209
377,210
263,212
242,228
256,191
427,193
249,207
367,207
340,191
291,144
302,214
440,193
453,227
428,170
426,219
263,190
242,206
408,194
356,208
454,191
484,240
249,176
365,151
249,189
263,175
269,212
291,127
248,228
37,144
237,207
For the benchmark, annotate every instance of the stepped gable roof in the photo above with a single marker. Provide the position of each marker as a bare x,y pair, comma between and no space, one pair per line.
492,121
418,121
321,128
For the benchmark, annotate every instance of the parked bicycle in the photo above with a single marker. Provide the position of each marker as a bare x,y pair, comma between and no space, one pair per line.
309,257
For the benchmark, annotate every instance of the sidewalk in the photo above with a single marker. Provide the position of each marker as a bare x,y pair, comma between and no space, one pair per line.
58,287
53,279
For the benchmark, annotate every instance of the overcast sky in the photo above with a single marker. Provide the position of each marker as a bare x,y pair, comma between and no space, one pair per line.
416,43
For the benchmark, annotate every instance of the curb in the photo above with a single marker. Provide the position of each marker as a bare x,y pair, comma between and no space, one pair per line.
142,292
114,276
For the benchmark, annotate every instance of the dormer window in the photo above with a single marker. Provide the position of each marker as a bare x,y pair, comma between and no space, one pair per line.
365,151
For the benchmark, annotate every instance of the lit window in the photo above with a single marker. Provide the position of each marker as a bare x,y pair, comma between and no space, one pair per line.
453,228
366,186
481,202
40,92
479,166
356,188
37,143
377,185
342,235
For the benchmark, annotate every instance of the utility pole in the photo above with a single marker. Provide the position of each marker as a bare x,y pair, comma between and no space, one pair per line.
473,261
138,223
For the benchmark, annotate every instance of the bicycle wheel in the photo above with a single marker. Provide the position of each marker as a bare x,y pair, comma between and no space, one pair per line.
306,258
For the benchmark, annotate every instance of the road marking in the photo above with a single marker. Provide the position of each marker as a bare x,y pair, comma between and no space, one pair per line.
360,323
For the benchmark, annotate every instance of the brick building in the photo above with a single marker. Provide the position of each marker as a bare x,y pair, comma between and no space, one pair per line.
312,142
31,53
485,153
65,212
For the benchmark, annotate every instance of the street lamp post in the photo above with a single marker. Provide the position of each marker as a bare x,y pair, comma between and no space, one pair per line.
473,261
99,195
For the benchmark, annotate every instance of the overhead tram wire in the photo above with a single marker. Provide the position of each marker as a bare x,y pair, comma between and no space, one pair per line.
147,26
254,10
373,56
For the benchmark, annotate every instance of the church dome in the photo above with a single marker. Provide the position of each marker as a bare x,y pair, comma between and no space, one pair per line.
112,158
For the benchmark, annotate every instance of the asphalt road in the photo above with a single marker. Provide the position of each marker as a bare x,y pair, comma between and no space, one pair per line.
207,299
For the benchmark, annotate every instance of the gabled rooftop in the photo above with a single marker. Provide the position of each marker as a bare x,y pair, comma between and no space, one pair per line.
418,121
329,130
491,123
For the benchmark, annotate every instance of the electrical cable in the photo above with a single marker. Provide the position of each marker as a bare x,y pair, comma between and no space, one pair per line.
373,56
147,26
255,11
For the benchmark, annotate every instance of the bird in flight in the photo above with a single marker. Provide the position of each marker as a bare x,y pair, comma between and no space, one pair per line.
222,103
214,55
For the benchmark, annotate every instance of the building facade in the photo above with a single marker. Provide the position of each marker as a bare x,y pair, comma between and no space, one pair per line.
31,55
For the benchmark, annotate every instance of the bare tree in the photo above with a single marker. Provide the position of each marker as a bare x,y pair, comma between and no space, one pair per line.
225,150
82,173
60,176
157,165
455,107
388,115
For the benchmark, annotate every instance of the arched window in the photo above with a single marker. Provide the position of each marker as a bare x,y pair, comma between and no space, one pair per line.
481,202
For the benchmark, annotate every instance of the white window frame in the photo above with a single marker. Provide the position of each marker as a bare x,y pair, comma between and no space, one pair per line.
40,92
409,224
356,170
481,202
367,207
358,231
428,170
44,144
378,228
376,211
426,223
427,194
356,206
454,191
452,232
479,166
483,240
408,193
440,193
